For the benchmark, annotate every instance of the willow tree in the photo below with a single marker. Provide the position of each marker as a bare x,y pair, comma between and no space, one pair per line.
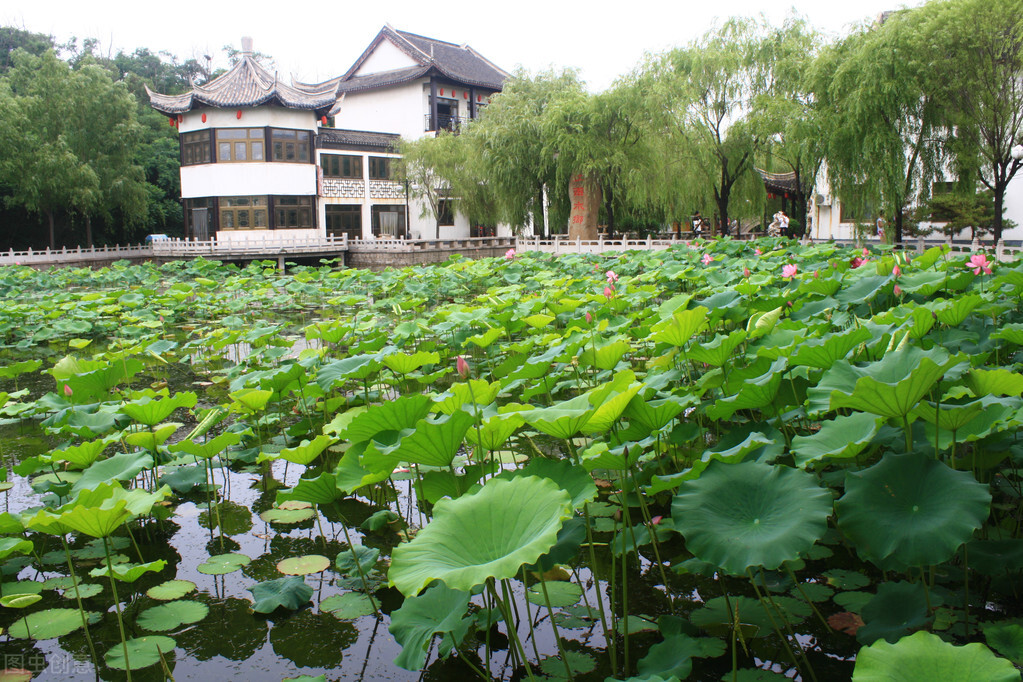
979,60
698,101
888,125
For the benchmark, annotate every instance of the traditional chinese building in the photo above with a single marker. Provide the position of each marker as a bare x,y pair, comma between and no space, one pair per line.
259,156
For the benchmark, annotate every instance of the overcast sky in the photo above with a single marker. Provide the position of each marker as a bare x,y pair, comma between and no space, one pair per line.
316,41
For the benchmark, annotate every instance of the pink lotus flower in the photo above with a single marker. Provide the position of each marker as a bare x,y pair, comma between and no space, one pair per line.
816,274
979,263
758,251
462,366
589,318
611,277
898,291
609,292
856,262
789,270
865,252
509,254
67,391
707,259
746,273
656,520
896,271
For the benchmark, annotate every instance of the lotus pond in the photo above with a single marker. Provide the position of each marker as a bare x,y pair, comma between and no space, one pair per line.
725,461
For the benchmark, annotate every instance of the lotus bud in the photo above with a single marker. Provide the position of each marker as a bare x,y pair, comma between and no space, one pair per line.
589,318
67,391
463,367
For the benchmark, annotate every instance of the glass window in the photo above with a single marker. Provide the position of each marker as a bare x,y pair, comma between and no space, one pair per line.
293,212
344,219
379,168
195,148
290,146
446,212
243,213
341,166
388,221
240,144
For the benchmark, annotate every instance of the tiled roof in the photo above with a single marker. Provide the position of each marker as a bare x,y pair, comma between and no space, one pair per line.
458,62
355,138
779,182
248,84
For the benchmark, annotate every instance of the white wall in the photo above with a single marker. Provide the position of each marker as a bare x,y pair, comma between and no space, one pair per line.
400,110
386,57
246,179
252,117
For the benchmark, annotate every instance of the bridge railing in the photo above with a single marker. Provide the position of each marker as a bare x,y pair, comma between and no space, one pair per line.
74,255
268,246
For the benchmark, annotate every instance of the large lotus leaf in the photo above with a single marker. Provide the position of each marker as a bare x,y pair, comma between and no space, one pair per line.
891,387
680,327
107,495
1006,639
49,624
656,414
725,451
756,387
604,356
96,521
121,467
403,364
320,490
172,615
170,589
128,573
348,606
351,475
571,478
673,657
434,442
303,565
923,657
150,412
468,393
251,399
336,373
9,546
484,535
207,449
839,438
393,415
610,401
562,420
953,312
999,381
365,556
822,353
221,564
94,383
737,516
719,350
306,451
897,610
559,593
290,592
948,416
151,440
497,427
911,508
80,456
439,610
142,652
1013,333
863,290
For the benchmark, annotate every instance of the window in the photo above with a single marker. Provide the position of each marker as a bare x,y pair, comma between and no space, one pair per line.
379,168
446,212
290,146
344,219
388,221
339,166
293,213
240,144
243,213
195,148
200,218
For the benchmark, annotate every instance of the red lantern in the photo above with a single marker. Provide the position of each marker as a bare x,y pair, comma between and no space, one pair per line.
442,92
171,122
323,120
770,195
204,118
786,195
180,118
239,114
465,95
479,98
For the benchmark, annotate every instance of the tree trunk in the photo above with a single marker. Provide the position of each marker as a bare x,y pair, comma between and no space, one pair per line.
996,224
897,240
88,230
53,242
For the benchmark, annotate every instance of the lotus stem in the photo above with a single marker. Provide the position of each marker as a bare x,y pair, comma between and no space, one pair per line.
596,580
557,635
529,619
799,587
513,633
774,626
78,599
648,520
117,608
358,567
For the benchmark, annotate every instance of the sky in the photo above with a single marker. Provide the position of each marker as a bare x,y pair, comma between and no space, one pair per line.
317,41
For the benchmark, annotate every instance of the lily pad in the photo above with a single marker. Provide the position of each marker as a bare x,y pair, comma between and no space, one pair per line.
303,565
348,605
142,652
172,615
49,624
923,657
223,563
171,589
560,593
287,516
290,592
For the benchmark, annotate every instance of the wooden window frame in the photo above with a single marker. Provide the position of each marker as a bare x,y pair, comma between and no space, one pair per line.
254,139
343,166
196,147
343,219
231,215
375,162
293,212
284,139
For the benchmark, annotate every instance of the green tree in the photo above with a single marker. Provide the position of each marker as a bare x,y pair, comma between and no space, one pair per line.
878,94
978,57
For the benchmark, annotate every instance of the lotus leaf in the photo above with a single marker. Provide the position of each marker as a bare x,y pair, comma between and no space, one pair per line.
120,467
209,448
999,381
19,601
559,592
842,437
571,478
49,624
220,564
306,451
680,327
142,652
171,589
1006,639
579,663
172,615
96,521
150,412
348,606
438,610
303,565
83,591
897,609
923,657
749,514
673,657
290,592
151,440
128,573
9,546
911,509
483,535
320,490
288,516
719,350
336,373
393,415
564,419
366,556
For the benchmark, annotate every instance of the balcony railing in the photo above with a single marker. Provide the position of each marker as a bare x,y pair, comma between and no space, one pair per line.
445,122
